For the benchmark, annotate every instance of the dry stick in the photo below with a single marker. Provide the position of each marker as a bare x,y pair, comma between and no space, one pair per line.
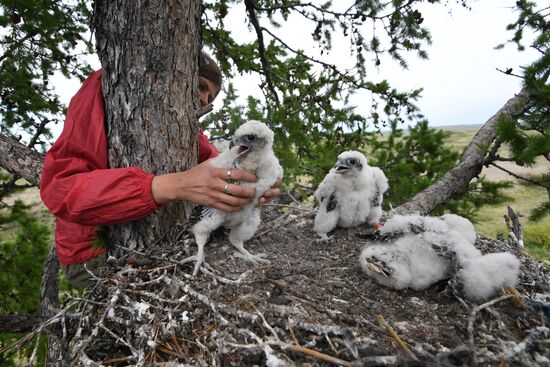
292,332
394,335
117,360
534,335
176,345
516,175
318,355
515,229
473,314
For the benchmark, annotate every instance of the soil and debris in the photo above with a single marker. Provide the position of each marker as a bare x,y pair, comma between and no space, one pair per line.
312,306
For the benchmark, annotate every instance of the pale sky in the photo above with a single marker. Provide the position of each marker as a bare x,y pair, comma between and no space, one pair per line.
460,80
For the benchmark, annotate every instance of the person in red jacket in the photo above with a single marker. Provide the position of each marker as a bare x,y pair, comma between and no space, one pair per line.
80,189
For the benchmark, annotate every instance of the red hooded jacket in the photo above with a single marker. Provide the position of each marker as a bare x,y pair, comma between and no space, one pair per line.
78,186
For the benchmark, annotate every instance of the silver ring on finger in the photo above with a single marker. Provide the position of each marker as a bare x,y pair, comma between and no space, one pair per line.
229,177
226,189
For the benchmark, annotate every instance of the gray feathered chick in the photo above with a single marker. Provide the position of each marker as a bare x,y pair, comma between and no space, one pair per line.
416,252
350,194
251,149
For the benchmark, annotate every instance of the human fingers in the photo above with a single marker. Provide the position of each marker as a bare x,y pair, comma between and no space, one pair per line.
236,191
221,201
269,195
236,174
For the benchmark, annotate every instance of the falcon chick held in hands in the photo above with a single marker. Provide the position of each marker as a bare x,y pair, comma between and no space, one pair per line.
350,194
251,149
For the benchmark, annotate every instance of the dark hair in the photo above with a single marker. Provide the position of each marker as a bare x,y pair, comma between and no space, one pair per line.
209,69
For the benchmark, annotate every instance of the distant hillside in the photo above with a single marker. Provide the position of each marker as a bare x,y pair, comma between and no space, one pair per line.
459,127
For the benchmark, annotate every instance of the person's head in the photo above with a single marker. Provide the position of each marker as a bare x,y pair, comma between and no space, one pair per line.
210,79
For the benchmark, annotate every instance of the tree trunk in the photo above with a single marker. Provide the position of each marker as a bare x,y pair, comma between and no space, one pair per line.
149,53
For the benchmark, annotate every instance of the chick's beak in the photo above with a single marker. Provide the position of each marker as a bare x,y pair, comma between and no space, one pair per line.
238,142
342,167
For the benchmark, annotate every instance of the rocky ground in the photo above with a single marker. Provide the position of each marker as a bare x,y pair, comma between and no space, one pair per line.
312,306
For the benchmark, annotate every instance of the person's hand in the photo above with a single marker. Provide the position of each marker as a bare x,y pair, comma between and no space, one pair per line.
205,185
272,193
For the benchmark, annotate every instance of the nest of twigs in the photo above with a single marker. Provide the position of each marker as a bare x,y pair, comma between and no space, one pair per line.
312,306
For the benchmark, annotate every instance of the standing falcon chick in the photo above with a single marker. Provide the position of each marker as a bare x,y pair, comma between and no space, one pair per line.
251,149
350,194
416,252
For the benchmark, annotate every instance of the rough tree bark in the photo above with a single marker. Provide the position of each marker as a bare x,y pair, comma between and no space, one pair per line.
149,53
49,294
19,159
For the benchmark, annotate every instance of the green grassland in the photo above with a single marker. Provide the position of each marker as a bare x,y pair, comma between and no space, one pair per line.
525,197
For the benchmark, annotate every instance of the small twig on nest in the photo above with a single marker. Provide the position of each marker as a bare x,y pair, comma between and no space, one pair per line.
534,335
316,354
225,280
86,361
117,360
217,307
292,332
292,197
394,335
473,314
283,220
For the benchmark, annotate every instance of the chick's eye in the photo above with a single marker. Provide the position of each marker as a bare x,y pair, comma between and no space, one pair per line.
250,137
352,161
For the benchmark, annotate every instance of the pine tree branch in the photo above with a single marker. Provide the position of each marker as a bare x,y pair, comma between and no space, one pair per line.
16,44
19,159
261,48
515,175
469,166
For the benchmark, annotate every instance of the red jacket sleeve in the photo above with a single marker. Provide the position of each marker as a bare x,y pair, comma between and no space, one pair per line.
76,184
207,150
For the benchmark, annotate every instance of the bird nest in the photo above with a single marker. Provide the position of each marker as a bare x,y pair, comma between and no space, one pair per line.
311,306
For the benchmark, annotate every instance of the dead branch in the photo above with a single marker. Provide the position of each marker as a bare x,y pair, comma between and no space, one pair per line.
516,175
395,336
514,227
18,159
318,355
473,315
469,166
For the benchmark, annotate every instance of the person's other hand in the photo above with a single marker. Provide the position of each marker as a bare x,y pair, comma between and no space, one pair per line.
205,185
272,193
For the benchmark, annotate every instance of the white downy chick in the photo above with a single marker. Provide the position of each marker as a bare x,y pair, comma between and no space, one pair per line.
350,194
482,277
416,252
251,149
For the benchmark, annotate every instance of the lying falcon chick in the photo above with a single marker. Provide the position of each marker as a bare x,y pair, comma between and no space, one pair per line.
251,149
416,252
350,194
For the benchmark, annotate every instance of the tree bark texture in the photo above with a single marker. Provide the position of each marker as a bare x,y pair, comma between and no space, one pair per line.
469,166
149,54
17,158
20,323
49,294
